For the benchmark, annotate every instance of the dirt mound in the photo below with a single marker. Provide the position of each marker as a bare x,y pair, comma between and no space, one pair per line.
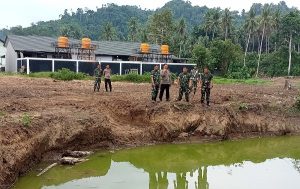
70,116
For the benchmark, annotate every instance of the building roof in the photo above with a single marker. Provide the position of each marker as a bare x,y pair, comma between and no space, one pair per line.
2,37
44,44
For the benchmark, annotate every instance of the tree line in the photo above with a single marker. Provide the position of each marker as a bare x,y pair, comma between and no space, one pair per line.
261,42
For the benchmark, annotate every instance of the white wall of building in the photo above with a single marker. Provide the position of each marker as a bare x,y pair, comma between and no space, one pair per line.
104,58
2,52
11,59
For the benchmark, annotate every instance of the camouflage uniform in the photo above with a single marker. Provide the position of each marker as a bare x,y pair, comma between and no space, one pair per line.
195,77
156,78
184,80
98,74
205,90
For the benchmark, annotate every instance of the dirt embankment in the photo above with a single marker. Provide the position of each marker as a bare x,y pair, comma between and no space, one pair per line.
42,115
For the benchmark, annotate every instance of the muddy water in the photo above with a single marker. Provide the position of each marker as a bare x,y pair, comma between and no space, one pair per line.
254,163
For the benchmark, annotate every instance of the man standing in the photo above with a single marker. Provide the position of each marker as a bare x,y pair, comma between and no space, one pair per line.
185,81
195,78
206,85
107,73
98,74
155,79
165,82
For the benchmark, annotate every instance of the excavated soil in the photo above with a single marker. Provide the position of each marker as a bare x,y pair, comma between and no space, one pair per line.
38,116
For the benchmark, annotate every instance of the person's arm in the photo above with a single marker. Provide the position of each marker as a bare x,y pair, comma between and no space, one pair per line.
152,79
211,82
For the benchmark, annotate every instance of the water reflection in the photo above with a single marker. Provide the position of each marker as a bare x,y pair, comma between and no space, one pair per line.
260,163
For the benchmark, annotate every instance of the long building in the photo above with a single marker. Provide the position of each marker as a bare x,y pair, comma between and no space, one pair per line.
42,54
2,53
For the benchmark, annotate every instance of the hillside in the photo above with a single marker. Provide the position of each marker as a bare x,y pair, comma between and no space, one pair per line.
90,23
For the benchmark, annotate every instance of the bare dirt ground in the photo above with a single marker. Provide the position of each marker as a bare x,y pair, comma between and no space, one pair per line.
69,115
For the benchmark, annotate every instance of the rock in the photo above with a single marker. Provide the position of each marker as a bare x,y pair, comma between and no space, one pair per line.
71,160
76,154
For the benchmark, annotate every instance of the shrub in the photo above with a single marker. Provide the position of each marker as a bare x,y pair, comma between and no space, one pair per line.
67,75
240,73
133,77
26,120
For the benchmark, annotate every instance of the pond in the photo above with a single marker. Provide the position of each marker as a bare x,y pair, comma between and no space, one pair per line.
253,163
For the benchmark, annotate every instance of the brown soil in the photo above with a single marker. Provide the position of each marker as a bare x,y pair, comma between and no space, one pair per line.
69,115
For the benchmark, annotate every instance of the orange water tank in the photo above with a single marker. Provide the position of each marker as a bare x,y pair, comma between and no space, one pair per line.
145,48
63,42
164,49
86,43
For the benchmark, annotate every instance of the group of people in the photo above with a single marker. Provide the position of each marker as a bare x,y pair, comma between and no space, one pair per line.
98,73
162,79
187,81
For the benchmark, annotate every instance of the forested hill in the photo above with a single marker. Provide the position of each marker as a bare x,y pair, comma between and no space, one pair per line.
263,41
85,22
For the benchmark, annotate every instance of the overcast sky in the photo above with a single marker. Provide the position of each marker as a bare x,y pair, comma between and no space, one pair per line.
24,12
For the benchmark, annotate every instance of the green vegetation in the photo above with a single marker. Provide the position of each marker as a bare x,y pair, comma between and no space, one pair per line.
243,106
2,114
221,80
132,77
26,120
262,42
67,75
40,74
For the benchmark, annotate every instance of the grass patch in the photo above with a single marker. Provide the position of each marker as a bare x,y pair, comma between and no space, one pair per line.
67,75
26,120
132,77
40,74
2,114
221,80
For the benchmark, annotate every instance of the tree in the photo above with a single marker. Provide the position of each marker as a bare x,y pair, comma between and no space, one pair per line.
132,29
224,53
200,55
181,36
290,28
215,22
161,27
71,30
226,22
108,32
264,21
250,26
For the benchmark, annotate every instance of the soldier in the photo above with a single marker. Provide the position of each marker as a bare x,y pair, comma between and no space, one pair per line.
206,85
98,74
184,80
195,78
155,79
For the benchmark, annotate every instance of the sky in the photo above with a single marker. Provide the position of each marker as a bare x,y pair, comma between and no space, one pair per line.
25,12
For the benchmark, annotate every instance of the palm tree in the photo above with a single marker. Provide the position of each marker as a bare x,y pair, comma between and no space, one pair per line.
109,32
207,22
264,22
250,25
181,30
215,22
132,29
276,21
226,22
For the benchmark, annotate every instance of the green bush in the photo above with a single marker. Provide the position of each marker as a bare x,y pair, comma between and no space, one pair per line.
240,73
26,120
133,77
67,75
